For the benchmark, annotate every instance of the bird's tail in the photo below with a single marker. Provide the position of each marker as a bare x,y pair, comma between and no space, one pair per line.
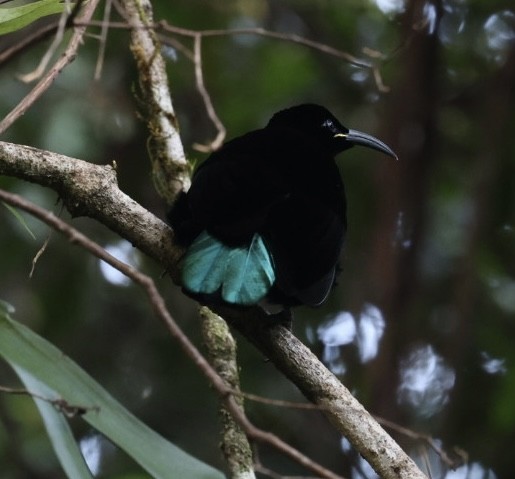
243,275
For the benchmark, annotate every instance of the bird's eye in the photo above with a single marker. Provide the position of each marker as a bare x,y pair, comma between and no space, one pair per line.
328,124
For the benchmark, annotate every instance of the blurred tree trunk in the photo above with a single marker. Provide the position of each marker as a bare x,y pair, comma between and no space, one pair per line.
392,271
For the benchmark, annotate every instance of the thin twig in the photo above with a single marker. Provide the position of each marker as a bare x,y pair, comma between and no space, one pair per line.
177,45
103,39
259,467
278,402
287,37
199,79
39,254
420,437
45,60
424,438
69,410
43,248
196,57
158,305
28,40
52,74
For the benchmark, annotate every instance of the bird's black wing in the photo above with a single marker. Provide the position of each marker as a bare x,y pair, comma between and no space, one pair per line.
305,235
234,189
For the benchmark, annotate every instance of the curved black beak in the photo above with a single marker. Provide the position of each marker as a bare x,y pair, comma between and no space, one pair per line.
359,138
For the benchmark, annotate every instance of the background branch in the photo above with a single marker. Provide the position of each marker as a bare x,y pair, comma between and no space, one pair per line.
170,170
221,352
53,73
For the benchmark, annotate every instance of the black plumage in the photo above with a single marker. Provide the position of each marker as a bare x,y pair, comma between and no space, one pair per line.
278,187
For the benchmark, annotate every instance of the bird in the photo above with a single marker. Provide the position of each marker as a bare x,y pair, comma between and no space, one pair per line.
265,217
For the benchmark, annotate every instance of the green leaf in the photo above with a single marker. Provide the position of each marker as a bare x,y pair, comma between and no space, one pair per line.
20,218
6,308
15,18
30,353
57,427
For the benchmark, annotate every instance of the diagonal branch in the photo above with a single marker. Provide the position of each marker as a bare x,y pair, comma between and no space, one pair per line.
298,363
91,190
158,304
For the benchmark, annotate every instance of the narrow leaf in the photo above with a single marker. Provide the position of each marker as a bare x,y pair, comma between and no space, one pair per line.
57,427
21,219
25,350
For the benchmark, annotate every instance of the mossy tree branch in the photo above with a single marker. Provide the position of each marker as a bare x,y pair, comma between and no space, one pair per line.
92,190
170,170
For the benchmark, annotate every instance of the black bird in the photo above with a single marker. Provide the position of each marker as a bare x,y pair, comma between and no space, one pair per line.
266,214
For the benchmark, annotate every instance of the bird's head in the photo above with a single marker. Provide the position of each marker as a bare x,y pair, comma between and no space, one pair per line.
317,122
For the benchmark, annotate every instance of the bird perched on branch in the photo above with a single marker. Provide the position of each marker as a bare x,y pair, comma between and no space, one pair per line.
266,214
